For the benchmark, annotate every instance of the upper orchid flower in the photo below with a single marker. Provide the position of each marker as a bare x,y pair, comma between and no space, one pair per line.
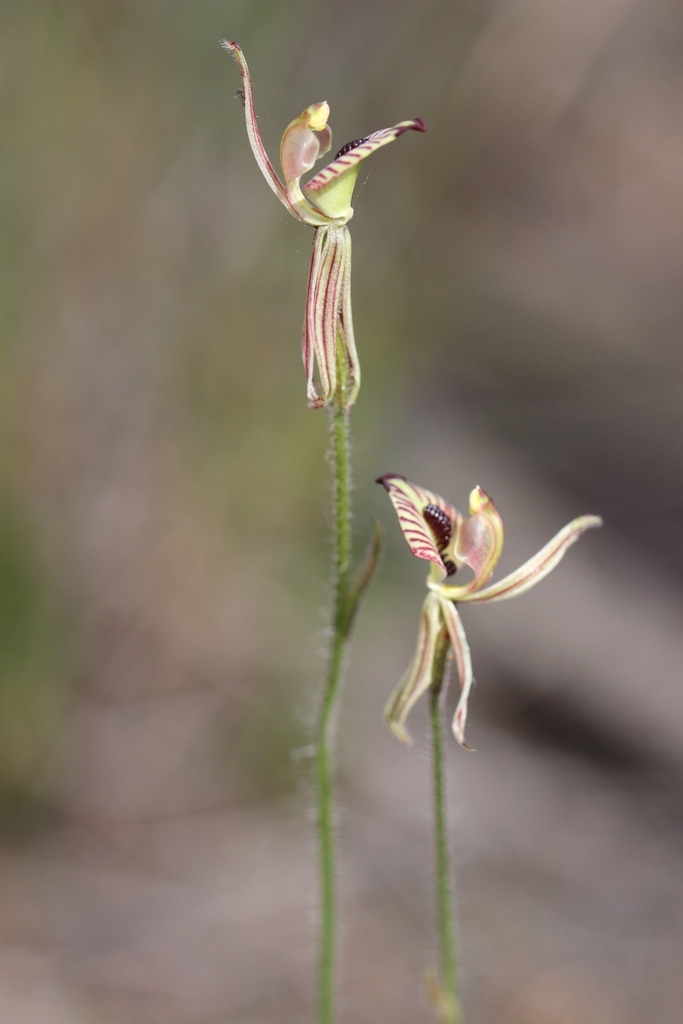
440,534
325,203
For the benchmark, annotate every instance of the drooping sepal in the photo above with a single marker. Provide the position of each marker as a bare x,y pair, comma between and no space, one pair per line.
429,536
328,321
418,678
332,188
463,662
536,568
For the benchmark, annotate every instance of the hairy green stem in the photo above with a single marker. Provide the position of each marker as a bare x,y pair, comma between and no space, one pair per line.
341,623
448,1001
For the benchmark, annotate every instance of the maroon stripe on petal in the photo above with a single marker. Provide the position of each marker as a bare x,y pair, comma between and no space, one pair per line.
362,151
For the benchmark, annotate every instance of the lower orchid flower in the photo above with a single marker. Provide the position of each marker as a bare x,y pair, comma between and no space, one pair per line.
440,534
324,202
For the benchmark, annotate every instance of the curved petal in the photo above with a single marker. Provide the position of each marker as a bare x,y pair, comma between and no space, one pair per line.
463,661
303,139
533,571
478,543
331,189
418,678
410,502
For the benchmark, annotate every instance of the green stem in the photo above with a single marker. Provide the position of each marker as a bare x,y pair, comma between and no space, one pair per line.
449,999
339,431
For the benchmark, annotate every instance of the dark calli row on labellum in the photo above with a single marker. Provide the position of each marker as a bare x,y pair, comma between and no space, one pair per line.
324,202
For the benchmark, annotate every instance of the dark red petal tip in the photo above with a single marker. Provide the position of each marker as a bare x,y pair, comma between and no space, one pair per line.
416,125
388,476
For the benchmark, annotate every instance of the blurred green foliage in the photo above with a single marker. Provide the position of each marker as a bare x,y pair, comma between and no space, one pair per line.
34,697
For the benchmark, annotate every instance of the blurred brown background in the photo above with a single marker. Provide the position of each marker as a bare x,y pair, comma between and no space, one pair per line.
163,537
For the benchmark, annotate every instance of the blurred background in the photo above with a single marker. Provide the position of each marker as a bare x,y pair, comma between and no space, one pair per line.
164,507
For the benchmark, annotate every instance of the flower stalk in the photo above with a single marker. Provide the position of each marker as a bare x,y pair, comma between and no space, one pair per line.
325,740
444,992
348,592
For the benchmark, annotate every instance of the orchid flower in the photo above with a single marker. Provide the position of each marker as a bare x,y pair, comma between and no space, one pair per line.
440,534
325,203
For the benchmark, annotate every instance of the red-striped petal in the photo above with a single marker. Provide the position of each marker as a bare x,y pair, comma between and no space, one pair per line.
410,501
361,152
331,190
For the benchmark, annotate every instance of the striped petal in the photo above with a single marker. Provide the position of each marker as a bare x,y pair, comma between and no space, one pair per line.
418,678
463,661
331,189
533,571
410,502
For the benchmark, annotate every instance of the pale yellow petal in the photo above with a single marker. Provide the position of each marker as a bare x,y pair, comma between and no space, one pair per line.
533,571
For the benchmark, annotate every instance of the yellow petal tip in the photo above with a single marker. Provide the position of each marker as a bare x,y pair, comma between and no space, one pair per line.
318,115
479,500
400,733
